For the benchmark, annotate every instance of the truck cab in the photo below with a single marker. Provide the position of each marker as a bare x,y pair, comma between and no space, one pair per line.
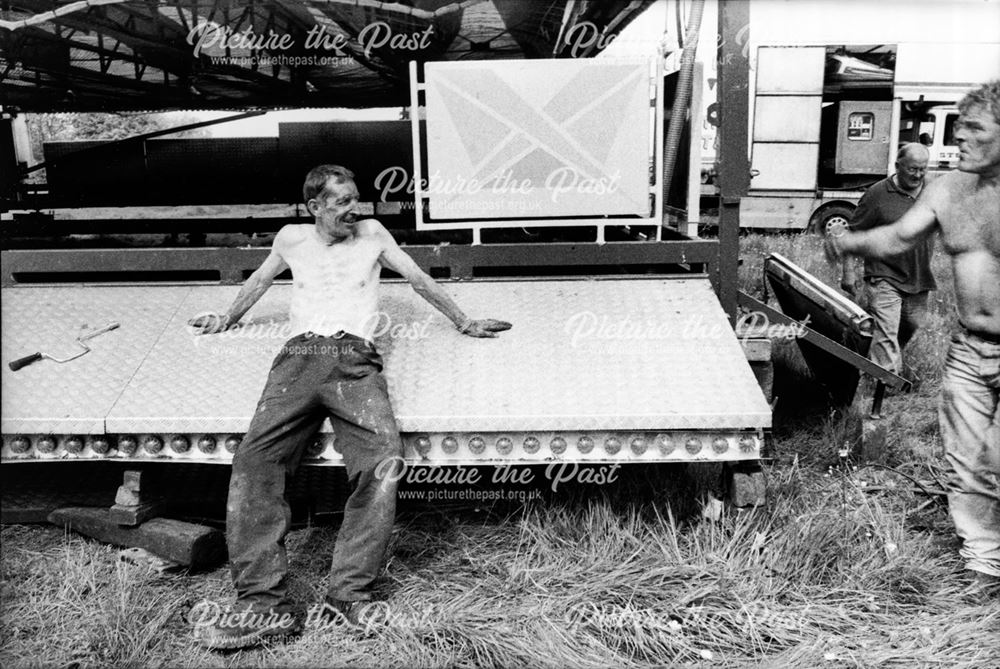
934,127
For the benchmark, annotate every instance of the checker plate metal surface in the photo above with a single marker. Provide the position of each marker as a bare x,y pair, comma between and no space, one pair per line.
76,397
618,354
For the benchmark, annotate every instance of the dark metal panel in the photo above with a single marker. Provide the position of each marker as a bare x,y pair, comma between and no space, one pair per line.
369,148
232,264
227,170
95,173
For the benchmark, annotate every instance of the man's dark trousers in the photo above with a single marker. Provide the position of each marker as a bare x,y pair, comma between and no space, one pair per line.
314,377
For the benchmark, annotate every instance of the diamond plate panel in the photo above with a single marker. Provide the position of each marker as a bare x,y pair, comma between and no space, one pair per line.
204,383
75,397
584,355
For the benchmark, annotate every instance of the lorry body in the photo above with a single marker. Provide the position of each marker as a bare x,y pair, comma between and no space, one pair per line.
836,90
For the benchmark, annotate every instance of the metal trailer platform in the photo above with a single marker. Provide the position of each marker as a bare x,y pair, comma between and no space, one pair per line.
594,370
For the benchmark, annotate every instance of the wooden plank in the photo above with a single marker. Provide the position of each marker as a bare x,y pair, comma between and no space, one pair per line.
196,546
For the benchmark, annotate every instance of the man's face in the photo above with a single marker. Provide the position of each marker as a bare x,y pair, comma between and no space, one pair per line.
910,170
335,208
978,136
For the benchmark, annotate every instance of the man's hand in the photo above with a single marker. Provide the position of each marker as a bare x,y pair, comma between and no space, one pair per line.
832,246
848,284
484,327
849,279
211,323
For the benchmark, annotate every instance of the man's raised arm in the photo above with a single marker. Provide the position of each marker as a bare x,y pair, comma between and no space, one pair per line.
400,262
888,240
251,291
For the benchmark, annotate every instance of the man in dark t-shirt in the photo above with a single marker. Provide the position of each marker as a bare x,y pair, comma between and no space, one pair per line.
898,286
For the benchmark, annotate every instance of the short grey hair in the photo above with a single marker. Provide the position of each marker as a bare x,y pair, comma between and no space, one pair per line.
986,96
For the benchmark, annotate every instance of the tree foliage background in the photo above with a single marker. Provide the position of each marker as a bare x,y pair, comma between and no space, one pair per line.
109,126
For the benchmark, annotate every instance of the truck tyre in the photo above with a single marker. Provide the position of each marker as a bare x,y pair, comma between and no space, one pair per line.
821,220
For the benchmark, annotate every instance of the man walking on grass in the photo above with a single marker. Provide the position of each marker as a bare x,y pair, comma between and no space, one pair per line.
898,286
328,368
965,207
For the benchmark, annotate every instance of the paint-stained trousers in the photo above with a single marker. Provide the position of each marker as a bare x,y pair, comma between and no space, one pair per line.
314,377
970,429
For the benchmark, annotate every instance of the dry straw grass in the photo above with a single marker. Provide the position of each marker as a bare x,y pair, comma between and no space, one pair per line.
851,565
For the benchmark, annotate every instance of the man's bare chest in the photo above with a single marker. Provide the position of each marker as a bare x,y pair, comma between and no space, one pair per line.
349,263
971,222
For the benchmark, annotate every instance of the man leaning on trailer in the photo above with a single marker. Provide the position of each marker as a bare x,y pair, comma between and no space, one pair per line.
329,368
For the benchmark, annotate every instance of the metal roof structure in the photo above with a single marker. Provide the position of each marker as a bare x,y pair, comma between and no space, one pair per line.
118,55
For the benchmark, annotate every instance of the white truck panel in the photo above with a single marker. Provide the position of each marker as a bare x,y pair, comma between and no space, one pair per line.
790,70
785,166
786,119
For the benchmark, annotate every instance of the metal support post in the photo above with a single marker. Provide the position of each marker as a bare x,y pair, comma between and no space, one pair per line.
734,168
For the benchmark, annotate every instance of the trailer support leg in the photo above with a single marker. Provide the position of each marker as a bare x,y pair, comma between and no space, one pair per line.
873,428
134,501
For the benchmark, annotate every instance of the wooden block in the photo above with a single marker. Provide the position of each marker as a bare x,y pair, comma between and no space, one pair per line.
126,497
130,491
134,501
135,514
196,546
746,485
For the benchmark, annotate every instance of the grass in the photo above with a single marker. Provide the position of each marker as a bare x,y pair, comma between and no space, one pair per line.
850,565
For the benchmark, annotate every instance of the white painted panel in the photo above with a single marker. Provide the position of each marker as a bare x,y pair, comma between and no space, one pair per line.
786,118
538,138
785,166
790,69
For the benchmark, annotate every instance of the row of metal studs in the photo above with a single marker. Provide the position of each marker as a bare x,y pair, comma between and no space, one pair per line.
126,444
585,444
154,445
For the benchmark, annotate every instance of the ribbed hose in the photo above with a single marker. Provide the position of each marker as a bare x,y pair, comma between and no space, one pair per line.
682,97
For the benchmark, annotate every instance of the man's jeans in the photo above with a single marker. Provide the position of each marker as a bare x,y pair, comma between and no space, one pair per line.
970,428
898,316
314,377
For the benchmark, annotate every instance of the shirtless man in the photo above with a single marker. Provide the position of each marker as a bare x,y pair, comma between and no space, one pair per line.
328,368
965,207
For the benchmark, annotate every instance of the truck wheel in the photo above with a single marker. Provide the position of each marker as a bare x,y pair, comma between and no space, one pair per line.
823,218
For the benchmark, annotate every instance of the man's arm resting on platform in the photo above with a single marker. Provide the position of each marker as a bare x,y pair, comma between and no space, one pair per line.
400,262
251,291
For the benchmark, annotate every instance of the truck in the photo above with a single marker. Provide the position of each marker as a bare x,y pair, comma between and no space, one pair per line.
510,187
835,90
